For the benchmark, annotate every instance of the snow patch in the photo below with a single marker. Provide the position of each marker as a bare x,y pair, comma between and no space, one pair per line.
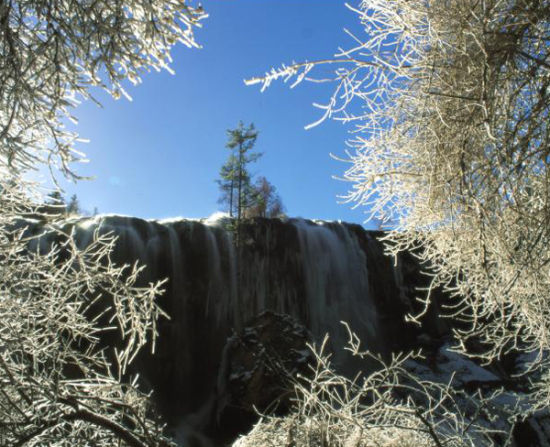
216,218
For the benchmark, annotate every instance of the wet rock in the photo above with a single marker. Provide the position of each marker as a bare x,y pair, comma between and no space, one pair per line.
533,432
259,368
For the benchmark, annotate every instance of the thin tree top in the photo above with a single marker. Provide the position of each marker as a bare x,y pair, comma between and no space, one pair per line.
242,137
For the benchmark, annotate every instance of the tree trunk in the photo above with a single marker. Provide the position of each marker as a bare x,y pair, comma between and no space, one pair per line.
231,195
239,204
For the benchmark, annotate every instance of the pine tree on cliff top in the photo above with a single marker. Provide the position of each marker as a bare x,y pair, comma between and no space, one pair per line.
235,177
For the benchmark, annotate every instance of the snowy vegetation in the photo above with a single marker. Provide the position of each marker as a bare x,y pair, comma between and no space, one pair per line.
392,407
451,144
450,100
450,106
59,386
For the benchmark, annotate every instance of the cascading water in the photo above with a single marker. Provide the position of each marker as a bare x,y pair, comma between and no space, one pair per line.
318,272
337,281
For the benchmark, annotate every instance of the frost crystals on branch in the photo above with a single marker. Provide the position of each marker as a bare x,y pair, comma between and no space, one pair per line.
61,305
389,407
450,102
53,52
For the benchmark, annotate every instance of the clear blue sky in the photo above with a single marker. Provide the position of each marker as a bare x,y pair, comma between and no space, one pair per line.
159,155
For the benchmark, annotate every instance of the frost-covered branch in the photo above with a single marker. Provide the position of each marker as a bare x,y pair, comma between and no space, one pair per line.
71,323
390,407
450,103
54,52
70,320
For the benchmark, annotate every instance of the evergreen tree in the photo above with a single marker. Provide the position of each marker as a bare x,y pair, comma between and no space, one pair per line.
55,198
55,205
234,182
235,186
73,207
226,182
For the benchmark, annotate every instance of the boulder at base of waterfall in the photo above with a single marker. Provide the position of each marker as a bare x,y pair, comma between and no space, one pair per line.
260,367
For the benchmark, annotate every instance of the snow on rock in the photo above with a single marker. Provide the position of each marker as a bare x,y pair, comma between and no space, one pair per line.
259,367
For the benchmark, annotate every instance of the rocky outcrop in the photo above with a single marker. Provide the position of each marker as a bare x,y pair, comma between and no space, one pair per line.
260,367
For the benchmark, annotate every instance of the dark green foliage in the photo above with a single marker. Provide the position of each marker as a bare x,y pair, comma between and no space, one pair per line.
54,205
73,207
234,180
226,182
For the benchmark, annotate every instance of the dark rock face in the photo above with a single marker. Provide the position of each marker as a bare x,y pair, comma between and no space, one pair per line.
533,432
260,366
319,273
240,319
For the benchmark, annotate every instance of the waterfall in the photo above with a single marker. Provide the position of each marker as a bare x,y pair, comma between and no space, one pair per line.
321,273
336,279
